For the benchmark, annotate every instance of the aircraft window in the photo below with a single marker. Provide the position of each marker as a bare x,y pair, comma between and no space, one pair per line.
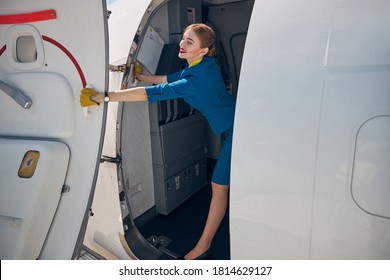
26,49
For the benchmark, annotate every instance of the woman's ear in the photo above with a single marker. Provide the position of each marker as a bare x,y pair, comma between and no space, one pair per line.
204,51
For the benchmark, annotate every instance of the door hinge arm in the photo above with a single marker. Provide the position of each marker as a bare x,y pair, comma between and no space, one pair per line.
116,160
117,68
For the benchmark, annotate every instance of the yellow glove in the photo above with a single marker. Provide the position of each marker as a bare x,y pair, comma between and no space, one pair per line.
137,69
85,95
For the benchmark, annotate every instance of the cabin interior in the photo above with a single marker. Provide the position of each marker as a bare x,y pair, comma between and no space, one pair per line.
167,205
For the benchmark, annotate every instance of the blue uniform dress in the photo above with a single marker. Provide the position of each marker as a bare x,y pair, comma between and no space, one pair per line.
202,87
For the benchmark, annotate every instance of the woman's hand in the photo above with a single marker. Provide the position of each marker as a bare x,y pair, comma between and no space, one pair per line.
89,97
137,70
139,77
98,97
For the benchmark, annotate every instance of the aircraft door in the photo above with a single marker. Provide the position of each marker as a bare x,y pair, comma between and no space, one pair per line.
49,145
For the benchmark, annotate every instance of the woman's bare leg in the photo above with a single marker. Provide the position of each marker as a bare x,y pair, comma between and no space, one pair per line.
217,211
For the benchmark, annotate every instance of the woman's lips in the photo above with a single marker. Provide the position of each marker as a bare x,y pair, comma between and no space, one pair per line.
182,50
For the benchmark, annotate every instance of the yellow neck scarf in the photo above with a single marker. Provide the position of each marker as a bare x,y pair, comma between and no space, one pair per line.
195,62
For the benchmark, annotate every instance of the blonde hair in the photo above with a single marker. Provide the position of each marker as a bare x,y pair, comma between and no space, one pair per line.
206,36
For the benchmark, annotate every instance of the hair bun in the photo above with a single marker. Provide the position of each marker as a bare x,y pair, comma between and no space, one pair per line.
212,51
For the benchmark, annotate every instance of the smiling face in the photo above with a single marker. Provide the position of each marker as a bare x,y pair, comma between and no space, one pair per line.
190,47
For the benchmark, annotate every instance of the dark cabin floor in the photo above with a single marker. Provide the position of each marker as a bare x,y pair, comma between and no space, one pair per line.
184,225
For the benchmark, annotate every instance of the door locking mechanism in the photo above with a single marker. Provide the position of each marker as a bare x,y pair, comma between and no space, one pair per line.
19,97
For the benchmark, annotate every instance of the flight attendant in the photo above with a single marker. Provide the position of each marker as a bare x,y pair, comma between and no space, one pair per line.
201,85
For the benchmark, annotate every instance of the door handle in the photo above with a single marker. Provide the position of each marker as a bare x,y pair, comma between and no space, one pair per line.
23,100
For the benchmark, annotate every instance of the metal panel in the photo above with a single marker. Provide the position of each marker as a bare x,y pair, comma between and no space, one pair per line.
181,14
178,139
28,202
55,121
197,174
44,58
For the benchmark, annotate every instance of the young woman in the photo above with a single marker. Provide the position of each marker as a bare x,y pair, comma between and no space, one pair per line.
200,85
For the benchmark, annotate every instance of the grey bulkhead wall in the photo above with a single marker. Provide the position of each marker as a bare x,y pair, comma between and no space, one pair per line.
136,143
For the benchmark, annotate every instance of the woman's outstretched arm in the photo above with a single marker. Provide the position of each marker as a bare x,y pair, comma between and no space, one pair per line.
126,95
152,79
